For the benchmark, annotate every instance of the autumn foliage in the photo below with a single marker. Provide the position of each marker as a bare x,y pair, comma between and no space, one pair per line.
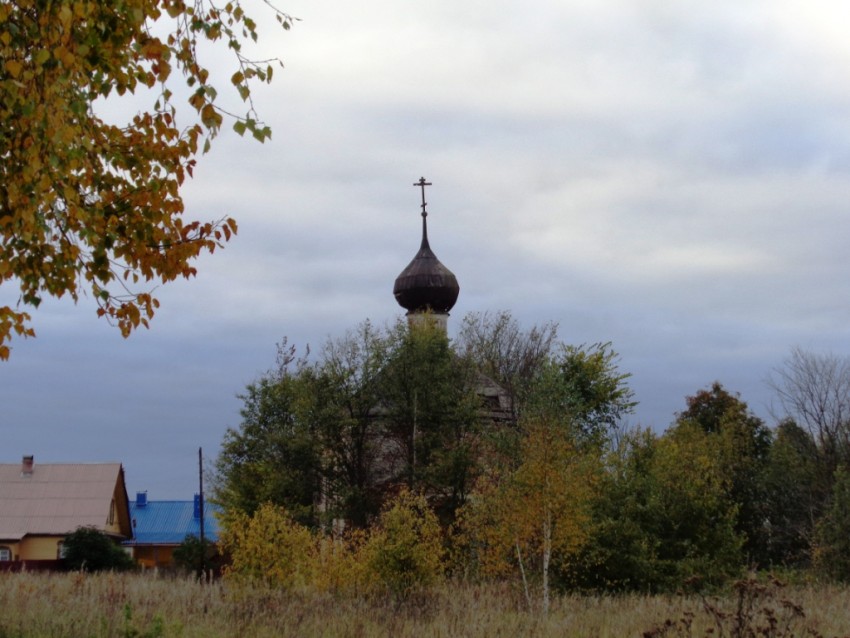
405,549
402,553
388,436
525,520
268,546
92,206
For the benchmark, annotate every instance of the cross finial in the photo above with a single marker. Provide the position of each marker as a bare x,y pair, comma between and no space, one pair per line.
422,184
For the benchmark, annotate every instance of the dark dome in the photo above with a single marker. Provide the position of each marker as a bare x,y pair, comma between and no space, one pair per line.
426,284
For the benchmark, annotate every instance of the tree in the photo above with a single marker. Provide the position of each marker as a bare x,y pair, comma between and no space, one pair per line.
275,455
663,517
500,349
332,438
196,556
379,408
814,391
404,551
543,375
742,444
583,387
832,534
88,205
346,388
796,493
428,411
694,519
268,546
88,549
622,552
538,514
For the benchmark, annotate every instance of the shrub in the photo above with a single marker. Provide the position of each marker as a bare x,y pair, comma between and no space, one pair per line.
337,563
755,610
89,549
404,551
268,546
194,556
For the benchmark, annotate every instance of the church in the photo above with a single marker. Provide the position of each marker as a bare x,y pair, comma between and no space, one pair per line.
428,291
382,410
426,288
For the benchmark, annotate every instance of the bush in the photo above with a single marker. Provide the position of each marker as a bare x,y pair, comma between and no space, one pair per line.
88,549
268,546
405,551
191,553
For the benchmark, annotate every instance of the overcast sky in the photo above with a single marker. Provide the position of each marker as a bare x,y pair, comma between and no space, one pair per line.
670,176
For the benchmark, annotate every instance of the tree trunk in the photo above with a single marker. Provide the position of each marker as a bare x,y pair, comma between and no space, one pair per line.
547,555
524,579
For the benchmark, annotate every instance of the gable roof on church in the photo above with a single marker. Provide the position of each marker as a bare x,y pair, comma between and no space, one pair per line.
54,499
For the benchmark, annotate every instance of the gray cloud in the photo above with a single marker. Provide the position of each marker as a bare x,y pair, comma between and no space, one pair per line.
668,176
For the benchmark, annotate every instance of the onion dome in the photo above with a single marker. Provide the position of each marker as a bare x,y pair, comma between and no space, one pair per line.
426,284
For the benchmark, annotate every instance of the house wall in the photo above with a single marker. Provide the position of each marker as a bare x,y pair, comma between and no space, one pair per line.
38,548
13,547
121,524
154,555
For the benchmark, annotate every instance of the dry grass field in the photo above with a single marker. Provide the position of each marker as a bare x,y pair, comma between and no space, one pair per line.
147,606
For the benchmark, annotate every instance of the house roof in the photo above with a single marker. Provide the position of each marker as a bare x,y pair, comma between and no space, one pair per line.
56,498
169,522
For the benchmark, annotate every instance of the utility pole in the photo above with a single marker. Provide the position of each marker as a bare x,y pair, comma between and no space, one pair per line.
201,507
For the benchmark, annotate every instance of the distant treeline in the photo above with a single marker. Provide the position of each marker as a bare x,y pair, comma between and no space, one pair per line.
398,457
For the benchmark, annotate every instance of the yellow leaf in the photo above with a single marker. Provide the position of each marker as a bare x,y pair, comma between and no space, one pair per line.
65,16
13,67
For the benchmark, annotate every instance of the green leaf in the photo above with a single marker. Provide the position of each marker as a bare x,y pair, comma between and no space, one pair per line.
42,56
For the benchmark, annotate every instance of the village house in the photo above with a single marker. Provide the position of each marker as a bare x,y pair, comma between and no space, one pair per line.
159,527
41,504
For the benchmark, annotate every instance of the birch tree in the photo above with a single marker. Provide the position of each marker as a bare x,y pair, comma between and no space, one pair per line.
537,514
92,207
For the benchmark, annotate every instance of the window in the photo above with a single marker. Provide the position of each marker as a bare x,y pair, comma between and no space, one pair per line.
5,554
61,550
111,519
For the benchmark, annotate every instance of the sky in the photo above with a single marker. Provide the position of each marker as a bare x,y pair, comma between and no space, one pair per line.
667,175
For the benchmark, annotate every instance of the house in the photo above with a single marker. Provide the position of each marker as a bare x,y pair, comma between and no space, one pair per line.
41,504
159,527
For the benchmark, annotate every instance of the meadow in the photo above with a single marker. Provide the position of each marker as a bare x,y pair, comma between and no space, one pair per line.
104,605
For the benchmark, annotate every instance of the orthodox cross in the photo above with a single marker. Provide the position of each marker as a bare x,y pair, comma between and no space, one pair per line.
422,184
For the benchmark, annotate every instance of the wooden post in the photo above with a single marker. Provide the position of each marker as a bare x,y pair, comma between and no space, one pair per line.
201,507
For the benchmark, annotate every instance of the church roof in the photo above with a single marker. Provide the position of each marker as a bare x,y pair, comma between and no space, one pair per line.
426,284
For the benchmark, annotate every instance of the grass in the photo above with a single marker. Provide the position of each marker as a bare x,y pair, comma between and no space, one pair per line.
146,606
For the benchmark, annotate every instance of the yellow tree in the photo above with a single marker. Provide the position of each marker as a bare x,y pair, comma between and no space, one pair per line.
87,205
268,546
538,513
404,551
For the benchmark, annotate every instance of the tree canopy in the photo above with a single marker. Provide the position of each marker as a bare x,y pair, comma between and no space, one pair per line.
88,206
328,439
379,409
814,390
558,491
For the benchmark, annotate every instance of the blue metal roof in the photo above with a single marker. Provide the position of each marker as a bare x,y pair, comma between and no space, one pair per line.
169,522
